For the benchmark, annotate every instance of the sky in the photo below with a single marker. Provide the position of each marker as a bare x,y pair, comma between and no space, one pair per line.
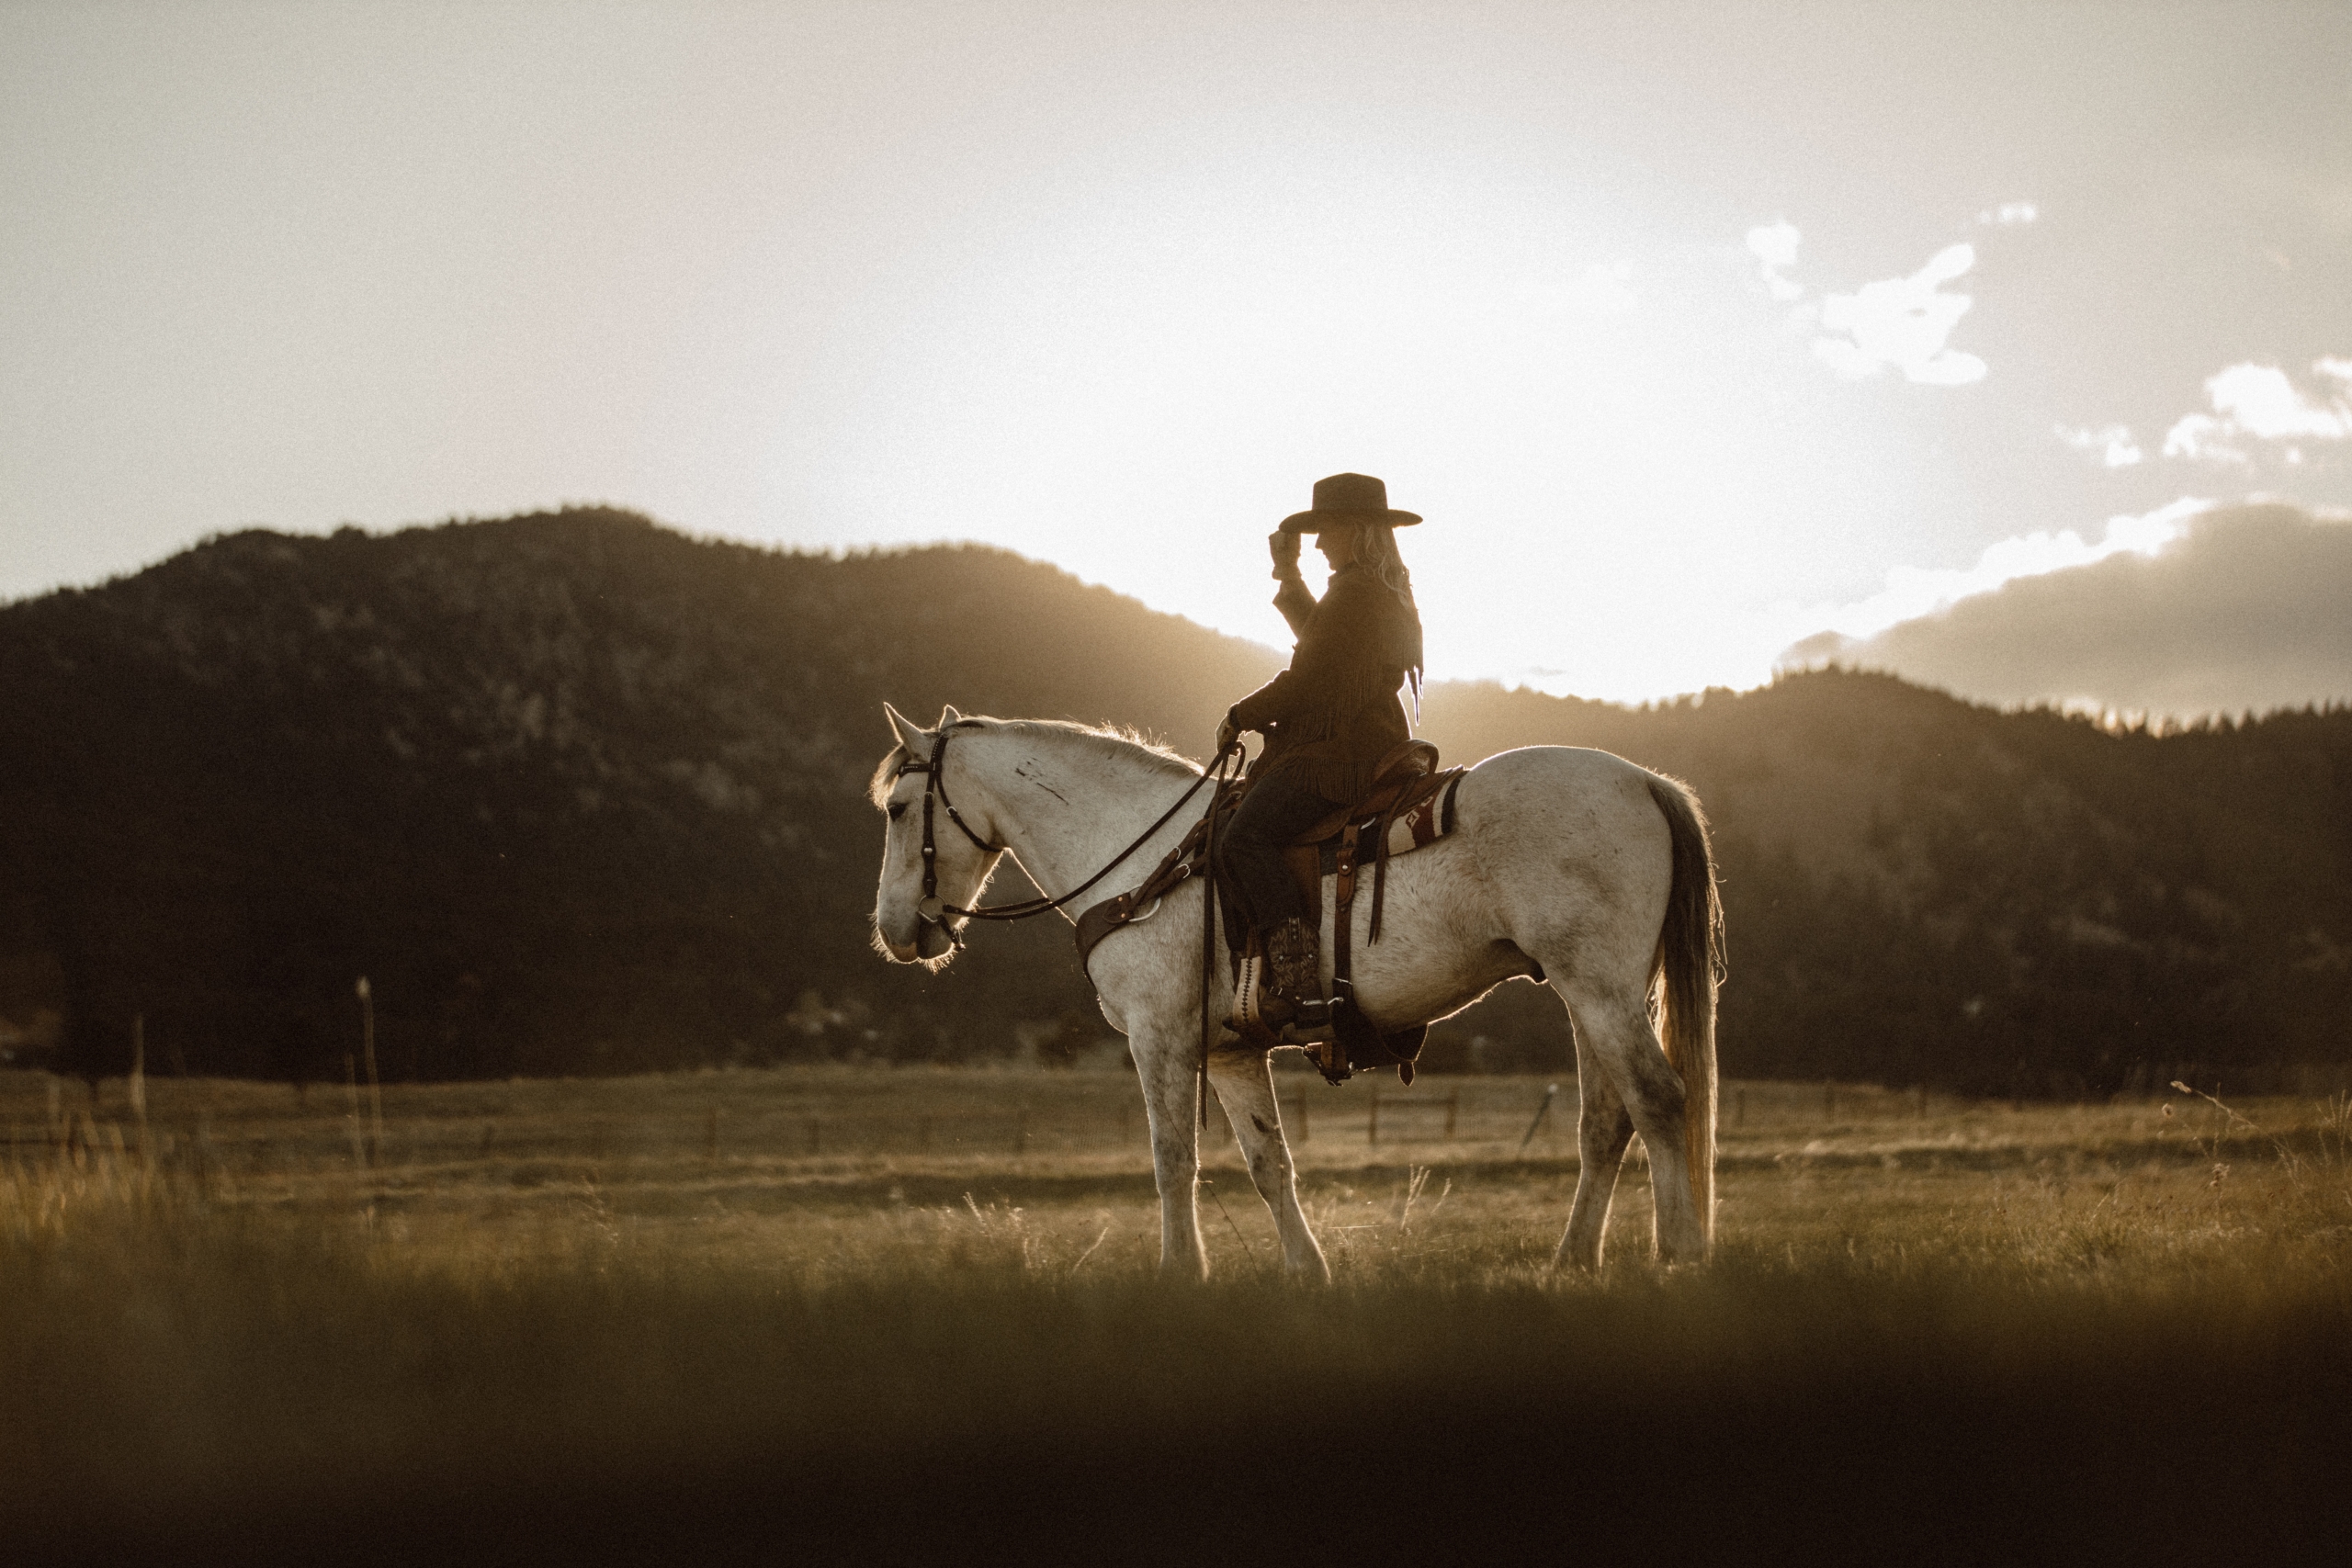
1696,333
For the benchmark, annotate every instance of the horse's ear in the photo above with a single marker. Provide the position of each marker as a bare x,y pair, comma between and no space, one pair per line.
909,732
947,715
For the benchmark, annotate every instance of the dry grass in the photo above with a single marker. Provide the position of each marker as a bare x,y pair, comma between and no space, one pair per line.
542,1299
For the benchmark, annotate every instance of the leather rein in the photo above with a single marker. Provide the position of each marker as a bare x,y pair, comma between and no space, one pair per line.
951,919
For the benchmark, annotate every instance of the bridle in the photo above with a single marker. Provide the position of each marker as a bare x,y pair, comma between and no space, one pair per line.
931,911
950,918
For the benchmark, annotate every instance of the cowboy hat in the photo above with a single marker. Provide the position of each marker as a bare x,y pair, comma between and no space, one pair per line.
1347,498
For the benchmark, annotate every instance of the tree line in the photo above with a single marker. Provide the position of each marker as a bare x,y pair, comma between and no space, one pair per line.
582,795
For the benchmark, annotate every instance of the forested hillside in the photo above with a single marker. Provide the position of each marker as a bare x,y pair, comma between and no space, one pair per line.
1922,891
580,794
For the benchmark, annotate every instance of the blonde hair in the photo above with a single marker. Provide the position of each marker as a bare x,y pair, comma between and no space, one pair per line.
1377,553
1377,548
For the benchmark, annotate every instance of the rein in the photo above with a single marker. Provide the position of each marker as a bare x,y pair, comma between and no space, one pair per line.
931,911
1208,935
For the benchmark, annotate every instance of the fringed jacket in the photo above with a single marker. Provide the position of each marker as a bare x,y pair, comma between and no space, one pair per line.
1330,717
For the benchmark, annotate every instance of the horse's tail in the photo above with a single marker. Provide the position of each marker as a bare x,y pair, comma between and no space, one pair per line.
1684,973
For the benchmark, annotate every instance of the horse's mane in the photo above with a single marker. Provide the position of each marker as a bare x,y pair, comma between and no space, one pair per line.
1113,740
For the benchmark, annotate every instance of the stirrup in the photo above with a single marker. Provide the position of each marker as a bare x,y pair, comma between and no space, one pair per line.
1331,1058
1313,1024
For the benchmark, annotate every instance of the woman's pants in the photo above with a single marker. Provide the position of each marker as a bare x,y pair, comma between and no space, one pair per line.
1276,810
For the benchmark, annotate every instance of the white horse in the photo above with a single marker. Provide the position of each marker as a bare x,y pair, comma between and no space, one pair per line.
1572,866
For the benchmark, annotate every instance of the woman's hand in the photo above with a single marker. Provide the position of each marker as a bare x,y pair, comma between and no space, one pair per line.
1283,545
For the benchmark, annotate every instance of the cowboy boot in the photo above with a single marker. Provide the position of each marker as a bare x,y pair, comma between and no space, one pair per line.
1248,992
1251,1019
1260,1009
1294,983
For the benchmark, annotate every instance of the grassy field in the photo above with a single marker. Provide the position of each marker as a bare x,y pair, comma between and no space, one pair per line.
911,1314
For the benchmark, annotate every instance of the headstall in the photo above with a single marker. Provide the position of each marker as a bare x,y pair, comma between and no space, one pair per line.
950,918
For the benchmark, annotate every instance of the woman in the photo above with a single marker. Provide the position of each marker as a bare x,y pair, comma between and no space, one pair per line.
1329,719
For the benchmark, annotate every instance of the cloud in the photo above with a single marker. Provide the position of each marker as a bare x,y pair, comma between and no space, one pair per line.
1906,322
2113,442
2242,609
1775,245
2261,401
2009,214
2203,438
1912,592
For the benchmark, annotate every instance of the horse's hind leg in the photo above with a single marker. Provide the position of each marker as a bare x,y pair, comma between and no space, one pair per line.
1613,1023
1245,1084
1604,1130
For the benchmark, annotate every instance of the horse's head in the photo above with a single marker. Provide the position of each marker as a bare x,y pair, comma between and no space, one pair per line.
901,930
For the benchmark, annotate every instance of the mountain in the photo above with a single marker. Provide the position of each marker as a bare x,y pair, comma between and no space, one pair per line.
580,794
1920,890
2244,610
577,792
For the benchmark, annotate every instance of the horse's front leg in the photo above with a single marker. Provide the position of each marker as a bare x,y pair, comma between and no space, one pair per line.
1244,1081
1168,1062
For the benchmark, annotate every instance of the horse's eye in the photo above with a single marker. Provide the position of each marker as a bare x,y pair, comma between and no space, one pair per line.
898,809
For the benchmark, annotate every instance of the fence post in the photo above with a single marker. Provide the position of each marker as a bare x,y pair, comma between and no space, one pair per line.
1371,1124
351,1098
139,1079
1543,1109
375,1083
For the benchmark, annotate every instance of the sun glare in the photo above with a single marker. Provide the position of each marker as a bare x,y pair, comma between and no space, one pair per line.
1137,384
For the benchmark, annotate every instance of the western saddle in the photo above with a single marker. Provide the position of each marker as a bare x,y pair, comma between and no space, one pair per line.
1410,805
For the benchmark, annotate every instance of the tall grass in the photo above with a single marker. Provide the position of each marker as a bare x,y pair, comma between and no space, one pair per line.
2124,1311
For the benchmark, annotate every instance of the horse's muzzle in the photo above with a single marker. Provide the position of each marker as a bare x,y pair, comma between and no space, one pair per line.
934,939
899,941
926,941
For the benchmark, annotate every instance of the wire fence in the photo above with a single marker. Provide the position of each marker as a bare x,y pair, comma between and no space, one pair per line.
840,1114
